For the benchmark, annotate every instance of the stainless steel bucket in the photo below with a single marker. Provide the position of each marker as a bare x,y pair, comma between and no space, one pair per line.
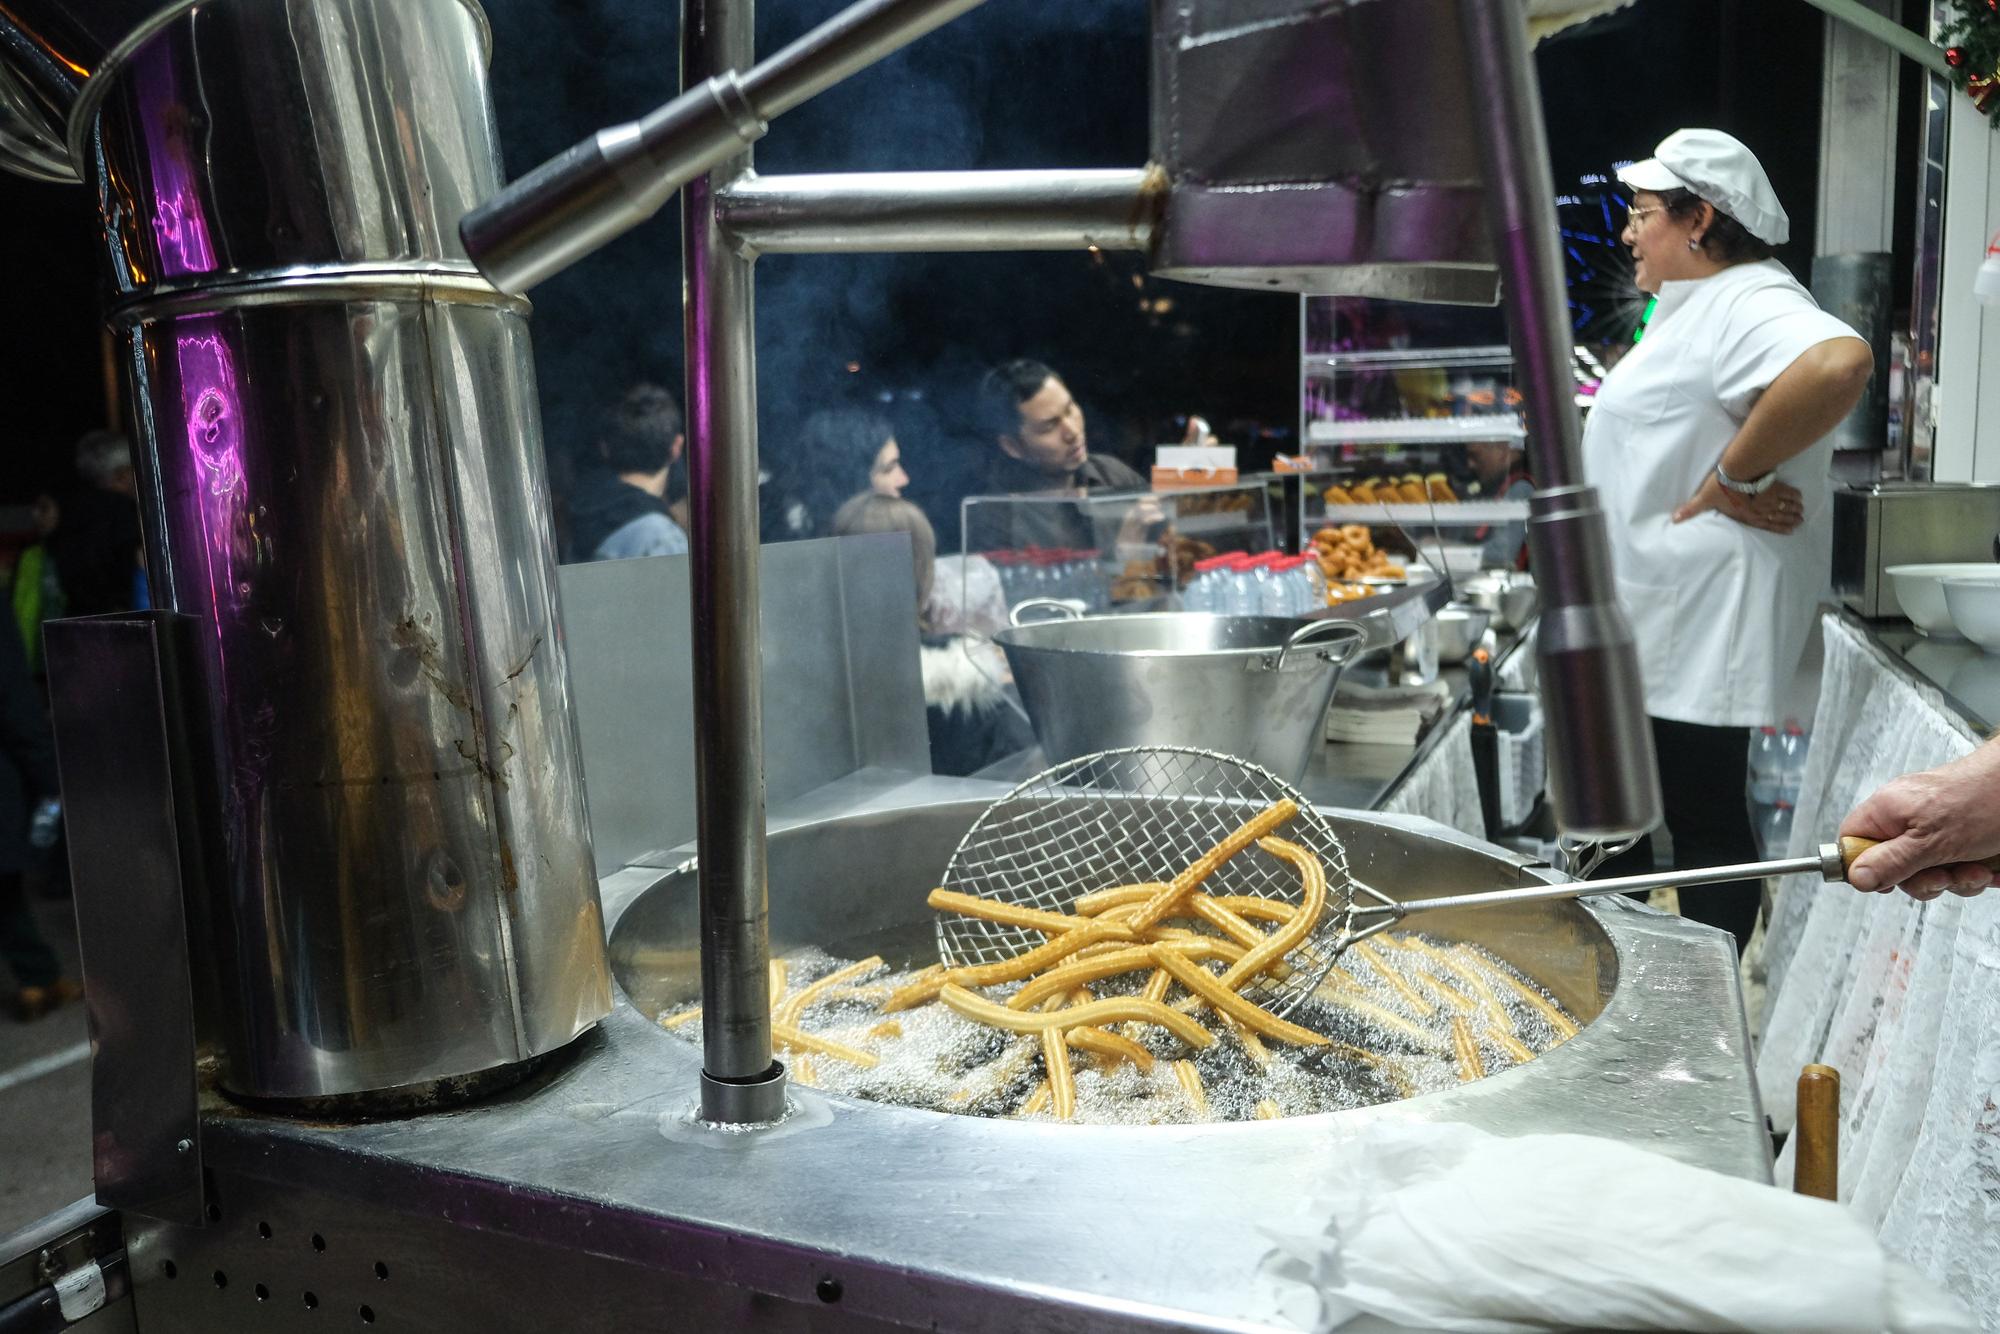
1250,686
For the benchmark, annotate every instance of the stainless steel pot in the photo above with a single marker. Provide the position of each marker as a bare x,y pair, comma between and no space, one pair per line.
1511,597
1459,628
1251,686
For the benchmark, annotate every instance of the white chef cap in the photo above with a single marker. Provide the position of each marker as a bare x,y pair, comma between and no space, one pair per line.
1718,168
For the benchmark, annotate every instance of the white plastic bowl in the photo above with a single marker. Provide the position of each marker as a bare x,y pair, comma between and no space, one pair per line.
1975,609
1919,588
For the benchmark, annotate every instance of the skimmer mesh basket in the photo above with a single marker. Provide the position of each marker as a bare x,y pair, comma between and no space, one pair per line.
1139,815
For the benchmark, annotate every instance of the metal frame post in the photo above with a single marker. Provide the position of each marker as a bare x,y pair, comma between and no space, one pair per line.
740,1081
1603,779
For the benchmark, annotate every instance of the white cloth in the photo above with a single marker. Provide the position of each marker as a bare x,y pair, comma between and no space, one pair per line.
1720,612
1446,1227
1445,787
1720,168
1902,998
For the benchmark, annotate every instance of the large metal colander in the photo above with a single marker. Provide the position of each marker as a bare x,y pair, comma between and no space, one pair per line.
1134,816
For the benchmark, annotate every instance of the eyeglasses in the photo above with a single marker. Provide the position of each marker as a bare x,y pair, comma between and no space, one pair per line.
1636,217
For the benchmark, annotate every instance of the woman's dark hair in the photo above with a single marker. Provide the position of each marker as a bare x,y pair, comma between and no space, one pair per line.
637,433
841,444
1726,241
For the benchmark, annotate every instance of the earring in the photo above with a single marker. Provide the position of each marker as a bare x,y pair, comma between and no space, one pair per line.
1694,243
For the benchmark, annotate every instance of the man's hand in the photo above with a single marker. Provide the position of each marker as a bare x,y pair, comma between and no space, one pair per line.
1934,827
1779,509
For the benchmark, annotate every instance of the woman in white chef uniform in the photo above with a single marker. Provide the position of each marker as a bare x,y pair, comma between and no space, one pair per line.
1709,445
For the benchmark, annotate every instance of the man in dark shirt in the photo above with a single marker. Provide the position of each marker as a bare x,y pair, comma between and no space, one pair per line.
1030,414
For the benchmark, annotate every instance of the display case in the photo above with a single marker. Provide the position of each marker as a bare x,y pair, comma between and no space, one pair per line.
1106,550
1409,417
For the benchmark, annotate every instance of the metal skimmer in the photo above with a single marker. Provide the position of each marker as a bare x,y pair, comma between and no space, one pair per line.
1139,815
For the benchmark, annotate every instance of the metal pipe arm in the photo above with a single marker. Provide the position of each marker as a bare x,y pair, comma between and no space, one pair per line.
1603,779
912,211
608,184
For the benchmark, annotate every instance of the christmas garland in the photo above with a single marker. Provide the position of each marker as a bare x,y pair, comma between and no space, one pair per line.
1972,49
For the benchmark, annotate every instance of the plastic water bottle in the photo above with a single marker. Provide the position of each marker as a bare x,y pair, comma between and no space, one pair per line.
1199,595
1764,766
1774,829
1315,585
1278,596
1791,762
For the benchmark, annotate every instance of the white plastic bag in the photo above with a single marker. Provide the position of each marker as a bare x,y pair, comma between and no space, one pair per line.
1446,1227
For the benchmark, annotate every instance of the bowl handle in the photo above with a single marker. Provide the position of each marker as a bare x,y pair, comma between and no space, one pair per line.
1347,634
1063,609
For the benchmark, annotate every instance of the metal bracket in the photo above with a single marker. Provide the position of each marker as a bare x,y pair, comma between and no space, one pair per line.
135,806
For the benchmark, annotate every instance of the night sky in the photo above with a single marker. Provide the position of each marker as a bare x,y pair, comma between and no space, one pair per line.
1014,84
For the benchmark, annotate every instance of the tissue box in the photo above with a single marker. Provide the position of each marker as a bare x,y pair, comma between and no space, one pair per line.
1193,465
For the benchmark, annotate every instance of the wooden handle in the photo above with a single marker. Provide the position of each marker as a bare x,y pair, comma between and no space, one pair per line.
1816,1166
1851,847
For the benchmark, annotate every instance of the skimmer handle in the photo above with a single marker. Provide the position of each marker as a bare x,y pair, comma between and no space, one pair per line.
1852,847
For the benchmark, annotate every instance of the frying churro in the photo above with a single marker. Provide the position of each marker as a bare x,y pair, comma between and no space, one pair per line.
1164,903
1122,959
1282,941
1267,1110
684,1017
1341,996
1249,905
1394,977
800,1040
1564,1026
1466,1048
1106,1043
1489,1001
1007,914
795,1004
929,983
1210,988
1094,903
1036,1100
803,1071
888,1028
1062,1081
1253,1046
1190,1082
1097,1013
1510,1044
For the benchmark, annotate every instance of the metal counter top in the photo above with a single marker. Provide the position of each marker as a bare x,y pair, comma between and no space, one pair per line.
916,1214
1965,675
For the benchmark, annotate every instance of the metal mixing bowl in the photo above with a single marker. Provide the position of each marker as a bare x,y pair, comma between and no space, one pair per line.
1460,627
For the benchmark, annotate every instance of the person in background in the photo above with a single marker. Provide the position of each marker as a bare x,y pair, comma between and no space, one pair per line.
618,508
1034,422
1498,470
96,545
27,779
1709,447
36,593
972,722
843,452
1031,416
1935,829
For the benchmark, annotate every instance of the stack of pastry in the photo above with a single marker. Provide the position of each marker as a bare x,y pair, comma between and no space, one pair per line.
1349,553
1409,489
